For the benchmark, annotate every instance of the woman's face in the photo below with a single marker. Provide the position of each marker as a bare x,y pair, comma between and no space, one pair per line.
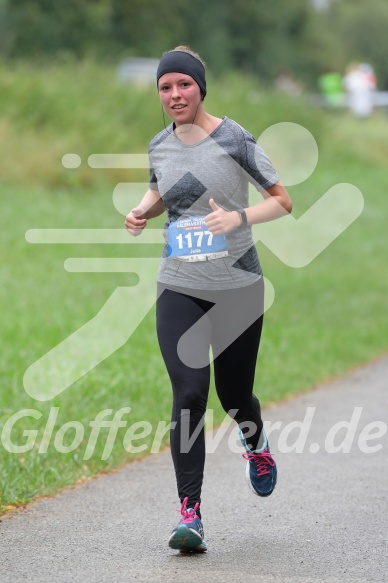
180,96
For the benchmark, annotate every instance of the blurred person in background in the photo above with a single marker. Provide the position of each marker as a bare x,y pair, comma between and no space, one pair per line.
330,84
285,81
359,83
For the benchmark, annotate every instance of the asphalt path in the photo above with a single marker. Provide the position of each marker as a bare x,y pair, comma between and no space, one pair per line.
326,521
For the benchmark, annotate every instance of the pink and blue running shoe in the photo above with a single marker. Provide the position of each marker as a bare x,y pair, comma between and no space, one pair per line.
188,535
261,472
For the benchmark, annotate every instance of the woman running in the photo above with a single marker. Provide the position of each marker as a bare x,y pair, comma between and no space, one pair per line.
210,282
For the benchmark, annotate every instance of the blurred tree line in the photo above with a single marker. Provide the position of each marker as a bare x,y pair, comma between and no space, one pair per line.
256,36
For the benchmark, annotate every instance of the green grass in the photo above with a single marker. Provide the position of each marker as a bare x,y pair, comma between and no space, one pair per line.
327,317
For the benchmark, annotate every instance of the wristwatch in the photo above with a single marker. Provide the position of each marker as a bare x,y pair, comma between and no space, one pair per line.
243,215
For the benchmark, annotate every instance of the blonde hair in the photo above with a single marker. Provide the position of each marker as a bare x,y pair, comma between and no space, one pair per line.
185,49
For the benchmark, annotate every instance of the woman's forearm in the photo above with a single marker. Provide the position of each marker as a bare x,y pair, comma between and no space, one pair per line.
152,203
276,204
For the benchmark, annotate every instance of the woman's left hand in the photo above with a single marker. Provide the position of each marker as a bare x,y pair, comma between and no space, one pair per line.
221,221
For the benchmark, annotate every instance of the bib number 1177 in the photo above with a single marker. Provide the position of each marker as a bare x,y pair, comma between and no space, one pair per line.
198,239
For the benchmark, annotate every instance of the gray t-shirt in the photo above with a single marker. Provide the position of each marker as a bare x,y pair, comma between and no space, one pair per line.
220,167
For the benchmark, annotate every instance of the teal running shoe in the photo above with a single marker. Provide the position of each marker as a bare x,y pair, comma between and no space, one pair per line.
261,472
187,537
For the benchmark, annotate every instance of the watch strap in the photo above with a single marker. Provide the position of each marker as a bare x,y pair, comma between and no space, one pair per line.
244,220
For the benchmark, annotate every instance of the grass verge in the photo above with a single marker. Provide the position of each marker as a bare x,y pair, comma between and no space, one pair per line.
327,316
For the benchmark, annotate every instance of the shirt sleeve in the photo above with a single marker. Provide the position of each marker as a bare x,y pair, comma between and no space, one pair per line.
153,181
255,162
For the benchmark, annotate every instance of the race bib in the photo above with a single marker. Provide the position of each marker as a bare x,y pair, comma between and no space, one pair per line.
190,240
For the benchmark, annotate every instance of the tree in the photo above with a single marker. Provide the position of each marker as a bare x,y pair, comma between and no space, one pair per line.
47,27
364,28
255,36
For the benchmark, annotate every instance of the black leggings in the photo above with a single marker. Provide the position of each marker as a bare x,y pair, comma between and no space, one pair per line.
230,321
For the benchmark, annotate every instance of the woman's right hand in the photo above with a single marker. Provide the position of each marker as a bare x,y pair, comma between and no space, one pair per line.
134,223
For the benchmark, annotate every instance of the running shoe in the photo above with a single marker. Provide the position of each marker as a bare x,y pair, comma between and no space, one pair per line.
261,472
188,535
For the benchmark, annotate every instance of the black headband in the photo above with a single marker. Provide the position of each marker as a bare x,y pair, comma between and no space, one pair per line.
182,62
